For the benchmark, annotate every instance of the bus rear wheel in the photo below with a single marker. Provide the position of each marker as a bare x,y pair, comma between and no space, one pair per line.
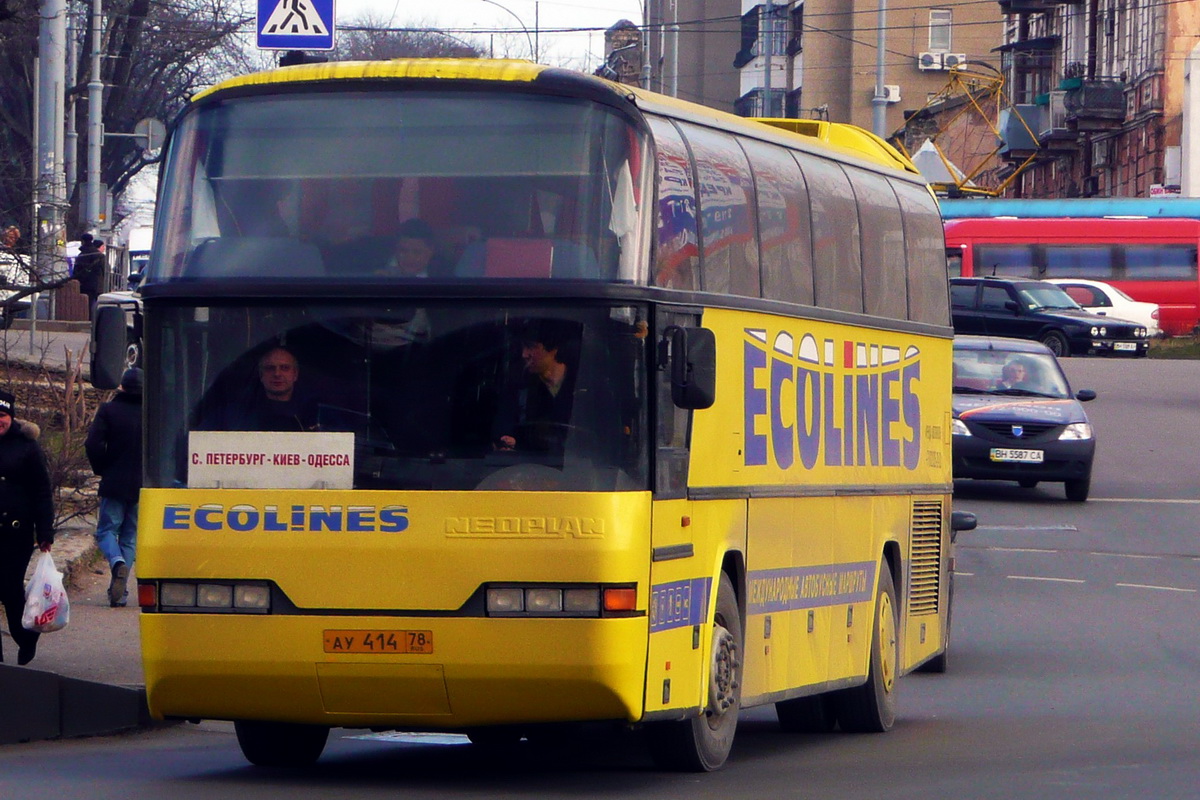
280,744
702,744
871,708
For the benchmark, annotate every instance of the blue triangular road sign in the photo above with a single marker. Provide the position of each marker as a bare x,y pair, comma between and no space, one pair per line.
295,24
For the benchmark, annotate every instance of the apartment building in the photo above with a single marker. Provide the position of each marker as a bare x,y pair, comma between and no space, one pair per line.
1103,83
816,58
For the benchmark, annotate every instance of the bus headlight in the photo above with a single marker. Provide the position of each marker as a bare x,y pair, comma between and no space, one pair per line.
197,596
560,601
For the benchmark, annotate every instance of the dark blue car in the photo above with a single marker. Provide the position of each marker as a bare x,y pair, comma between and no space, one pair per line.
1016,418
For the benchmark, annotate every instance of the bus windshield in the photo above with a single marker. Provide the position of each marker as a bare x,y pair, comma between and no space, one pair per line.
322,185
447,396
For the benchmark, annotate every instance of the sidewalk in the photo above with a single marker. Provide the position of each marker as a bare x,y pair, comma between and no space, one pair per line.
86,679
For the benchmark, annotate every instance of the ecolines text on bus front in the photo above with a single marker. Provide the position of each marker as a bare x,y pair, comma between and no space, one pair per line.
802,400
245,517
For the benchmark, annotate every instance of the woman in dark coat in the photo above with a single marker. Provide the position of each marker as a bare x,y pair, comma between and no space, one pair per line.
26,516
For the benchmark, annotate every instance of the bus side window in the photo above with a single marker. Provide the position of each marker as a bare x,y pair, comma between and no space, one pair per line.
677,262
884,260
836,237
726,195
923,239
784,223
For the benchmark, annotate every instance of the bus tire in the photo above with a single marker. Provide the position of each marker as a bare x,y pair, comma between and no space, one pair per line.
1057,343
702,744
813,714
871,707
280,744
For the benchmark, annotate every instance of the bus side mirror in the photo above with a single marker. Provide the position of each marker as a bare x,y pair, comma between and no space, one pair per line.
961,521
693,367
108,347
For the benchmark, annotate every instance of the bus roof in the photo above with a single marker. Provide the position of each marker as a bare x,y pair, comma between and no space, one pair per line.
1083,207
842,138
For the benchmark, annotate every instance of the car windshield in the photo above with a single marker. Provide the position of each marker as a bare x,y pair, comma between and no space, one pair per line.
1008,373
1035,296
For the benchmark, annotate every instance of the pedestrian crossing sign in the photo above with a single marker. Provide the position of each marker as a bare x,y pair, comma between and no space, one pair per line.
295,24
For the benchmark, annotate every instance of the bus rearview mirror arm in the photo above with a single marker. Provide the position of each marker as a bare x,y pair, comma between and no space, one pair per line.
691,355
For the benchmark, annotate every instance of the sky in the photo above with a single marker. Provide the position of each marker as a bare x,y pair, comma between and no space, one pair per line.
567,32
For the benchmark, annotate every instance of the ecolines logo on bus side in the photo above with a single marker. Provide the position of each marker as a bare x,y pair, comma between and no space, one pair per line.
302,519
861,411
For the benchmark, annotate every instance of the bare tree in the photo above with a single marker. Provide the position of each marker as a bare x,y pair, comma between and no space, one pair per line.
369,38
157,53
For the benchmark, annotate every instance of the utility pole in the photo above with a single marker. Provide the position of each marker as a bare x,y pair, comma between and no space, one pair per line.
879,101
769,45
95,123
50,186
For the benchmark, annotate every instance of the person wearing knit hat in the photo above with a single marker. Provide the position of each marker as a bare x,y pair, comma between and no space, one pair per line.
114,449
26,517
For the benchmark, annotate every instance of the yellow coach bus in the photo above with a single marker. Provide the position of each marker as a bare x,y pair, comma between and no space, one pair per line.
484,396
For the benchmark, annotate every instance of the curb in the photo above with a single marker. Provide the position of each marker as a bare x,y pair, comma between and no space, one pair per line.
42,705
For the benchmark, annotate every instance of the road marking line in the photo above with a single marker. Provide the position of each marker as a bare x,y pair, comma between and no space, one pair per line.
1165,501
1049,580
968,574
1126,555
1019,550
1160,588
1027,528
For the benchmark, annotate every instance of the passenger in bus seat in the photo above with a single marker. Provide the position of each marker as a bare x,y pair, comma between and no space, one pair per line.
536,417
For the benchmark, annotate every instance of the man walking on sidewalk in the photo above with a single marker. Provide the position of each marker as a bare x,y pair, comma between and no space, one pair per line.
114,449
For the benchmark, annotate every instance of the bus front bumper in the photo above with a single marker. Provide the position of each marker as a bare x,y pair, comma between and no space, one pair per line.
480,671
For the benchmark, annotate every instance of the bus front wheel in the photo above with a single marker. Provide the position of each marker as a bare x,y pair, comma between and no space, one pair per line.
280,744
871,708
702,744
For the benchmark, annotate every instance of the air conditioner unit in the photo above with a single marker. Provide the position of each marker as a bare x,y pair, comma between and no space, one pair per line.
1101,153
951,60
891,93
929,61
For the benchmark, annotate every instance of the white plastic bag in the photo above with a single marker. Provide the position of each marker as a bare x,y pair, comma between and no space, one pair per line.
46,605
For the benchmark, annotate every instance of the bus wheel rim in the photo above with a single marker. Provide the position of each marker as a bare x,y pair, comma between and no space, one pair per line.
722,682
887,643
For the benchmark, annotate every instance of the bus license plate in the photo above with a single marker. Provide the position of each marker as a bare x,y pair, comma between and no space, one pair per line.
1125,346
378,641
1023,456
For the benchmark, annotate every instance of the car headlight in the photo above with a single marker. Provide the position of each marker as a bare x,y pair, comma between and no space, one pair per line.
1095,331
1075,432
958,427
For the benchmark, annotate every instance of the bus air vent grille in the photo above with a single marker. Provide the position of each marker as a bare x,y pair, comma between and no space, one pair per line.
926,562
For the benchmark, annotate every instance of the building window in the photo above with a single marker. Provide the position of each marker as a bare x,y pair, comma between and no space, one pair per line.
939,29
796,37
760,33
791,106
751,104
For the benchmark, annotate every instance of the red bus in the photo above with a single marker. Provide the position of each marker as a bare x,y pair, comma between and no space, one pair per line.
1150,259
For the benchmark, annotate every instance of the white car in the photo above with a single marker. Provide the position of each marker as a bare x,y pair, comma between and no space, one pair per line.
1107,300
14,274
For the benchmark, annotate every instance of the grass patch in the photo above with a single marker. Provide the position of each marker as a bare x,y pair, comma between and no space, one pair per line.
1175,347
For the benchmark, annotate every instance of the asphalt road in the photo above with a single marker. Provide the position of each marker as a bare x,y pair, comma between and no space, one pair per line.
1072,669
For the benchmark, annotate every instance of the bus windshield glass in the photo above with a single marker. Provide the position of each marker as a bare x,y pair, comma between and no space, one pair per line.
315,186
445,396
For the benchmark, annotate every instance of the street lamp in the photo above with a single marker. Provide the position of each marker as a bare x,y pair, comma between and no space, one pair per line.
532,48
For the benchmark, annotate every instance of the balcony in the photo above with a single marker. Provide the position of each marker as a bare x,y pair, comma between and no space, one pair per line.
1095,105
1026,6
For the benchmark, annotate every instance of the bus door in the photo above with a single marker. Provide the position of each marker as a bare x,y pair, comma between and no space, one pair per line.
681,583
